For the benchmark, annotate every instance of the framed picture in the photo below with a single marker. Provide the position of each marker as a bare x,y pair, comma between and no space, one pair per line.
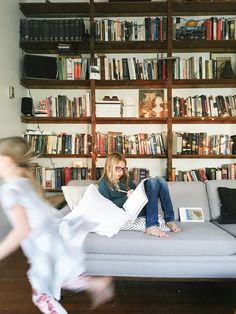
151,103
191,214
221,59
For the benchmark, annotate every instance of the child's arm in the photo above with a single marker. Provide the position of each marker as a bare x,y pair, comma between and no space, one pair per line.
20,231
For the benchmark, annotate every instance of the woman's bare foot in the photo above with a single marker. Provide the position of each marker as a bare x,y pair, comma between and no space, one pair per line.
155,231
173,227
101,290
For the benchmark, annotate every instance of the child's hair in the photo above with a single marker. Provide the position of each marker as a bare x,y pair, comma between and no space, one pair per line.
110,164
21,153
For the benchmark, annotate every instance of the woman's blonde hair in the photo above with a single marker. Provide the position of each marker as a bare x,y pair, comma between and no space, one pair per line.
109,169
21,153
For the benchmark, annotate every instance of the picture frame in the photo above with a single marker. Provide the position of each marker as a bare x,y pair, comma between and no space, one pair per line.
191,214
221,58
152,104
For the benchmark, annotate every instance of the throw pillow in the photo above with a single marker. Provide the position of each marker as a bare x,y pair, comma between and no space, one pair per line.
73,194
95,208
228,205
140,224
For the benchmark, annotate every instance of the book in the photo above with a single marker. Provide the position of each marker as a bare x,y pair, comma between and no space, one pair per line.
136,201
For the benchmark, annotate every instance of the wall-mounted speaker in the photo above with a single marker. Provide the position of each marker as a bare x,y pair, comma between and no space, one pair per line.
27,106
39,67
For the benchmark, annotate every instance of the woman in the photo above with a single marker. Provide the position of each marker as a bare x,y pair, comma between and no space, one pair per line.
115,181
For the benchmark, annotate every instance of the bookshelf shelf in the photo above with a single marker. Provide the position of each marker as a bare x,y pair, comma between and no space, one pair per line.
204,46
55,9
137,156
65,156
55,84
50,47
204,120
129,84
206,156
55,120
130,46
203,8
222,83
105,120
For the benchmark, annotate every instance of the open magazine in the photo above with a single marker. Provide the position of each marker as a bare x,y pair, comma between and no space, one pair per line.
136,201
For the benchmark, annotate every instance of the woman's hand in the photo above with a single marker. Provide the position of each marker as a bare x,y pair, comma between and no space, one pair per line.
130,192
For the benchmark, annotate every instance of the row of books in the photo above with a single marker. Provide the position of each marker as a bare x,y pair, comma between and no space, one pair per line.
62,106
73,68
34,30
220,28
204,106
149,29
55,178
137,144
52,178
132,68
62,143
196,68
224,172
202,144
213,28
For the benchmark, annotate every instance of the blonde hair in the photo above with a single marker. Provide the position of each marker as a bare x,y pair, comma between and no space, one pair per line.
110,164
21,153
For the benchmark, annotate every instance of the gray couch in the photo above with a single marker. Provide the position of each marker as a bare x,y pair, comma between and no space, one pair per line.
202,250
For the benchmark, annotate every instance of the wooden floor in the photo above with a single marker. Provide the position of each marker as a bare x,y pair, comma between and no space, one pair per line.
163,297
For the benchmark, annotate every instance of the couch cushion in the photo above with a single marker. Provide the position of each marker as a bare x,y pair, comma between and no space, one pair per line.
213,195
197,239
189,194
228,205
230,228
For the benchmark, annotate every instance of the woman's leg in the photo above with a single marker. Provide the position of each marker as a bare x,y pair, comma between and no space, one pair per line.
152,188
166,204
46,304
164,195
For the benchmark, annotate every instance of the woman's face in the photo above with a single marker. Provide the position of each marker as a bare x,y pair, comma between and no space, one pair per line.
119,170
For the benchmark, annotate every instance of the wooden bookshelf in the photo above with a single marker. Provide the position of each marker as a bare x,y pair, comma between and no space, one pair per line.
170,48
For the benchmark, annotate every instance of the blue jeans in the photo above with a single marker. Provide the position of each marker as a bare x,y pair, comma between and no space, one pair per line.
157,188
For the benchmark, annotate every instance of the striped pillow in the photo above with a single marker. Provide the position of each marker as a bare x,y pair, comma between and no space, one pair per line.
140,225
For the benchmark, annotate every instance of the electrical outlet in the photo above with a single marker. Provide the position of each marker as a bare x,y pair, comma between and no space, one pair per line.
11,91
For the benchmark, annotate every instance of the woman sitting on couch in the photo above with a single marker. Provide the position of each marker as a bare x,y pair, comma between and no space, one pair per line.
115,181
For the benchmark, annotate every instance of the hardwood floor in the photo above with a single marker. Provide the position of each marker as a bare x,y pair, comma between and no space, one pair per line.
162,297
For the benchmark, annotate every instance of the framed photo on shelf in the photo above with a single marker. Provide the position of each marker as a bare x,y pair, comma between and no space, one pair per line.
221,59
191,214
152,104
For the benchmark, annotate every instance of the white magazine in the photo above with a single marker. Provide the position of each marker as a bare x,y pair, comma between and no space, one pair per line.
136,201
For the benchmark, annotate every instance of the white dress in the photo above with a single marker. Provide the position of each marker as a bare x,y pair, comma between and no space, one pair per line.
54,247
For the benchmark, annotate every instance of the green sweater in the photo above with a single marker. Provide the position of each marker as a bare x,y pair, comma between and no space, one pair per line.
115,196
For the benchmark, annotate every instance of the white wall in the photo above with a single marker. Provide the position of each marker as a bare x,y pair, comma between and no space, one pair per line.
9,69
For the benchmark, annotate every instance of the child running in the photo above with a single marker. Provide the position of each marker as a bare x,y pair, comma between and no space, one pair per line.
53,246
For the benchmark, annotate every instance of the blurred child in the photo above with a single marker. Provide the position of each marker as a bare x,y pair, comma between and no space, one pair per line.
115,182
52,246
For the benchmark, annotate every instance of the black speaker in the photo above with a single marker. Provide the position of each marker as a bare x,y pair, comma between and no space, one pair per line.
27,106
40,67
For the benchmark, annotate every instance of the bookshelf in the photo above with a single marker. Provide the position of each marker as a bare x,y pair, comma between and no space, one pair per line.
170,47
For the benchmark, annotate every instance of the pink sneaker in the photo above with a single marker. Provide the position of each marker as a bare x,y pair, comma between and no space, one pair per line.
47,304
